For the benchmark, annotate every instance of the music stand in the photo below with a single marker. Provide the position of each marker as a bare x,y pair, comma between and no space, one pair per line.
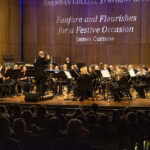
132,73
56,73
75,75
14,74
30,72
106,75
68,76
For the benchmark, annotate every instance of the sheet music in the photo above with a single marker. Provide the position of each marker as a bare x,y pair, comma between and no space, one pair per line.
132,73
105,73
67,73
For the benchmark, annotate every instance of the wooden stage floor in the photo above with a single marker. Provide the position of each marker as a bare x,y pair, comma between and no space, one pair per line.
136,102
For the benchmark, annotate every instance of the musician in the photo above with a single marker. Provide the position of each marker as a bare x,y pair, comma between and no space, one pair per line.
52,61
51,67
41,64
42,61
124,84
4,88
84,83
68,63
16,66
147,77
61,81
1,68
76,68
73,67
111,69
119,85
93,75
96,67
5,72
140,82
7,82
25,82
118,69
57,86
101,66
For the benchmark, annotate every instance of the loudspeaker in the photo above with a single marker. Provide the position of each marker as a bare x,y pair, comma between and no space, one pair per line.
32,97
46,97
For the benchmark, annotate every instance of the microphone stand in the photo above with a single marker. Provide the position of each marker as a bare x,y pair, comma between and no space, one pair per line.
67,98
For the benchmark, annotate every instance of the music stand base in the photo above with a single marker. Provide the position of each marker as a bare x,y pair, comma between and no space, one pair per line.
67,99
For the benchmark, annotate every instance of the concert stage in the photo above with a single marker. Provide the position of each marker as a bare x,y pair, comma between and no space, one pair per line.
135,103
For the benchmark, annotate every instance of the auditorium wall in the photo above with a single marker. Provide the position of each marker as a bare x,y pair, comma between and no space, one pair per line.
41,32
10,39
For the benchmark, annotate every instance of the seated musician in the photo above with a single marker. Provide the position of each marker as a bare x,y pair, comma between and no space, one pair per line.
57,86
52,61
3,87
96,67
16,66
50,83
25,82
98,80
140,84
1,68
124,84
7,82
111,69
65,79
76,67
84,83
118,69
93,76
147,76
118,84
101,66
51,67
73,67
61,81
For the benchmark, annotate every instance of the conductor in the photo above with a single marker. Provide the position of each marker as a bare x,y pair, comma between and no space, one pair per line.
41,64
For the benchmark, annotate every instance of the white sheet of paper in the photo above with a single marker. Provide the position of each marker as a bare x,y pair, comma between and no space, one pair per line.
132,73
68,74
105,73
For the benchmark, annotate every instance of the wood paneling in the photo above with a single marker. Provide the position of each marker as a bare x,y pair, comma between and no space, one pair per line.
145,34
126,49
29,30
10,39
40,32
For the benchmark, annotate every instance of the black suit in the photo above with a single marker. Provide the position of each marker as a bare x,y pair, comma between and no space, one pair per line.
68,65
84,85
40,65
